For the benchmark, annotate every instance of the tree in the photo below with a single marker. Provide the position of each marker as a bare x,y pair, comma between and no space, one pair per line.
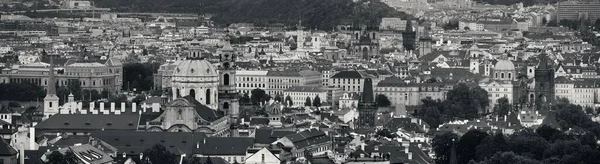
317,101
502,108
119,99
159,154
442,145
430,112
105,93
258,96
245,99
307,102
382,101
465,102
509,158
468,143
139,98
278,98
548,133
289,101
491,145
528,143
94,95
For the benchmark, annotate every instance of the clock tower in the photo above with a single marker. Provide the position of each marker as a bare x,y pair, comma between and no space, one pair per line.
228,96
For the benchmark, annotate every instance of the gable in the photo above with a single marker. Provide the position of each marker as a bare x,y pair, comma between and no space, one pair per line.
258,157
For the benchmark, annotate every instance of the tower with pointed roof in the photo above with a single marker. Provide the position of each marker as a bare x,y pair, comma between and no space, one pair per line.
367,107
409,36
51,99
228,101
543,95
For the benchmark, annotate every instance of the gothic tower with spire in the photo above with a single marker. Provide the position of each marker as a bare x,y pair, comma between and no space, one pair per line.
367,107
409,36
51,100
228,101
544,84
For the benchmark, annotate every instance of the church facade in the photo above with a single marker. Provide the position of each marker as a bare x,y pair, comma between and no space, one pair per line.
204,98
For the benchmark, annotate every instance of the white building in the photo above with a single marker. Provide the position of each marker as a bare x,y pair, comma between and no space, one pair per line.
263,156
249,80
298,94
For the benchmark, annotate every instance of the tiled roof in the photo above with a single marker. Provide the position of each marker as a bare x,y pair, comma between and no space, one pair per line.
227,145
203,111
348,74
89,122
6,149
308,137
135,142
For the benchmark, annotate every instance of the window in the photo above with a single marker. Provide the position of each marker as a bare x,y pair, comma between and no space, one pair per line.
263,157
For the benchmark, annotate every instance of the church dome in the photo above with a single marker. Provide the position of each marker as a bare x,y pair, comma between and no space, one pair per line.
504,65
195,68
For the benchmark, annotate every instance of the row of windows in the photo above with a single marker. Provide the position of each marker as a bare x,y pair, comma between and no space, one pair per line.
346,81
251,79
284,80
497,89
252,85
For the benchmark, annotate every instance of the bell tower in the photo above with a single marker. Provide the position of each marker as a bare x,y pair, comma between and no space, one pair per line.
228,96
51,99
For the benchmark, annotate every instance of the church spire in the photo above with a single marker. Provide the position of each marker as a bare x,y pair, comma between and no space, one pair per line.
51,80
368,91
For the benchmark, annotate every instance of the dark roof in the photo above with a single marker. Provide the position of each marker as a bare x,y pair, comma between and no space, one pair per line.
259,121
89,122
6,149
135,142
213,160
227,145
348,74
308,137
33,157
268,136
203,111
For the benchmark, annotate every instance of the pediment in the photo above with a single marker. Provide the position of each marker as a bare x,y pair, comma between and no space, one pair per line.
180,102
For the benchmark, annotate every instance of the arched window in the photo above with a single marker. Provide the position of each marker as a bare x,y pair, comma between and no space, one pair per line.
509,75
226,79
496,75
502,75
177,95
180,115
193,93
225,105
207,96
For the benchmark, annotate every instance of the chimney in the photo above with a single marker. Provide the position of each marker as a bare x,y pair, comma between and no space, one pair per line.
406,149
134,107
112,107
102,107
32,138
22,154
505,118
409,155
92,107
362,146
123,106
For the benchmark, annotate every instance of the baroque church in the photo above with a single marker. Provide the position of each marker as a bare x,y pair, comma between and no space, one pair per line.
204,95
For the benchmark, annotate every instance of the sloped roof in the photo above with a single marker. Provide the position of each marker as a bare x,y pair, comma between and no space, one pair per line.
203,111
135,142
89,122
308,137
6,149
348,74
